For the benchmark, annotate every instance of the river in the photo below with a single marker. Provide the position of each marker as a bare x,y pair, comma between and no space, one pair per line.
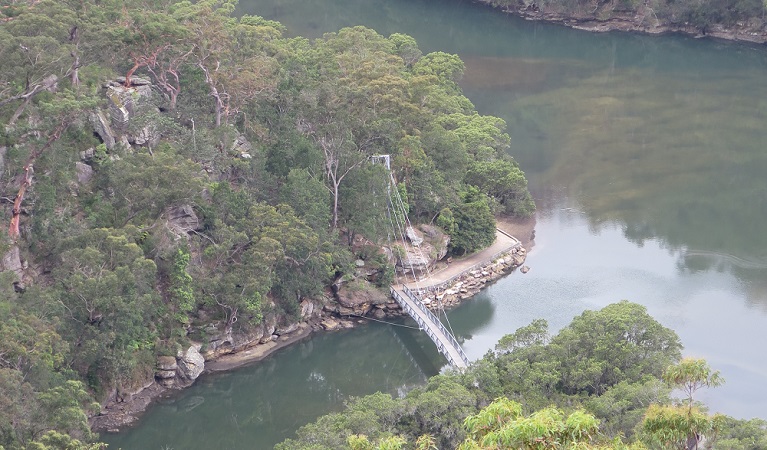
647,159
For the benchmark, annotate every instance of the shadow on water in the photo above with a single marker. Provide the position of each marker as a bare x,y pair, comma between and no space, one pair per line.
260,405
474,316
415,348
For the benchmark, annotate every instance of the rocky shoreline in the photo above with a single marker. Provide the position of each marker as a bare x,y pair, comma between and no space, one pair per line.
174,373
641,22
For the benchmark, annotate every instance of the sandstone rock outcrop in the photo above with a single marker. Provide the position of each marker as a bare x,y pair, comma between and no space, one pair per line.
428,244
103,129
190,364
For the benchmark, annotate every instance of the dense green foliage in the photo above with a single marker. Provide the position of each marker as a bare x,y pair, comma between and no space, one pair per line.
261,144
572,390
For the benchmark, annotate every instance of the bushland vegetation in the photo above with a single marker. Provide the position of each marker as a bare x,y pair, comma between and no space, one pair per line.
265,140
603,382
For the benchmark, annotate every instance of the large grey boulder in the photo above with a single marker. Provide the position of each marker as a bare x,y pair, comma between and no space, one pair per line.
123,100
358,297
146,136
183,219
414,236
307,308
437,239
84,172
190,364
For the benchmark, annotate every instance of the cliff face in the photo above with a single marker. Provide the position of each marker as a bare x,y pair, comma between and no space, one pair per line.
646,17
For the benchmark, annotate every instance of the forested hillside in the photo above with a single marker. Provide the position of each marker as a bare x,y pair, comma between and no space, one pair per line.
603,382
170,171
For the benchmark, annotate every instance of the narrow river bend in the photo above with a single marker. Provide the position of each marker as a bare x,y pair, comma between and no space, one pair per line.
647,158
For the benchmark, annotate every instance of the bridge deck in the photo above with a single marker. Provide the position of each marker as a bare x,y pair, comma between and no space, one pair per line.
431,325
408,296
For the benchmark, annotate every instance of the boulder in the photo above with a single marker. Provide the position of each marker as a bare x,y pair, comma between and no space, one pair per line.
183,219
119,103
190,364
270,324
122,100
87,155
414,236
242,147
84,172
416,261
102,128
437,239
358,297
146,136
226,342
248,337
307,308
286,329
518,259
330,324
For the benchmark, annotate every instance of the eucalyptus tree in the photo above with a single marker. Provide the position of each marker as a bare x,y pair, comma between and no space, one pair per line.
106,291
683,427
36,47
690,375
230,53
350,99
502,425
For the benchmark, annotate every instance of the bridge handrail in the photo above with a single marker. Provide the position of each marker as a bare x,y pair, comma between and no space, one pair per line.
432,318
449,281
436,321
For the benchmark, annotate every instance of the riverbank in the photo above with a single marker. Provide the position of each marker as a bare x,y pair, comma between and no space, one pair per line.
127,409
643,20
468,276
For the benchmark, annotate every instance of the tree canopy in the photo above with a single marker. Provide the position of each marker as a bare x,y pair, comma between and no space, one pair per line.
524,396
175,168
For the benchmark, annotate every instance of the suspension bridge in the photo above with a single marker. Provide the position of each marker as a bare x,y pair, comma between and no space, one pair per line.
431,325
408,294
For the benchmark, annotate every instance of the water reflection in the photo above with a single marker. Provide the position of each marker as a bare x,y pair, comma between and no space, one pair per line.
577,266
260,405
667,158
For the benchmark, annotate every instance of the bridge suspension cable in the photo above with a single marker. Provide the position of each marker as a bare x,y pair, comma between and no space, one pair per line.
397,214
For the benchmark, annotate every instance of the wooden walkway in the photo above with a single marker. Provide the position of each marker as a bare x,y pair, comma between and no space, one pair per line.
431,325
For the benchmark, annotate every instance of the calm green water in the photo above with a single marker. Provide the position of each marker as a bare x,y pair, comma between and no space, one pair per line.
647,158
